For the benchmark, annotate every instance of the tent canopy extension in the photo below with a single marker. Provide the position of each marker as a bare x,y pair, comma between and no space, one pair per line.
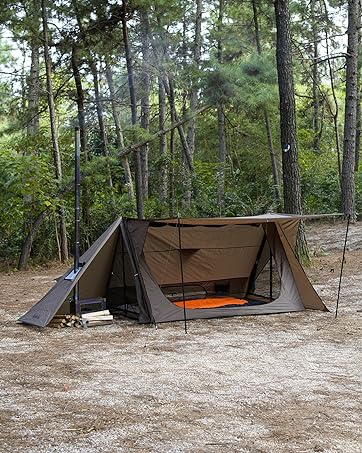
161,269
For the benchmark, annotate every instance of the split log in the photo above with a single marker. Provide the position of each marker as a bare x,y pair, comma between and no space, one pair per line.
95,313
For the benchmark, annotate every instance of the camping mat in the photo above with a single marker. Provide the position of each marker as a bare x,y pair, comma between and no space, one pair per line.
211,302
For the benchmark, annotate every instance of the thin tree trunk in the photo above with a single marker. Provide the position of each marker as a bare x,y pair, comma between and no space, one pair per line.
80,103
194,98
33,89
32,129
350,119
100,115
163,139
28,243
54,132
171,97
221,116
288,128
171,200
335,112
315,80
222,157
145,97
132,92
119,133
274,165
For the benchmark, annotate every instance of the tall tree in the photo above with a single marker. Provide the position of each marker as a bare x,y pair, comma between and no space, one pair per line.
145,93
288,126
54,131
273,160
132,93
119,133
220,113
350,119
194,97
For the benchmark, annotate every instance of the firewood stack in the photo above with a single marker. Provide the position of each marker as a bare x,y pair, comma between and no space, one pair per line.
60,321
91,319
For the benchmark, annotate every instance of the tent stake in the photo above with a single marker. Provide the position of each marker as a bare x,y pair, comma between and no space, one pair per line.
76,217
181,268
342,264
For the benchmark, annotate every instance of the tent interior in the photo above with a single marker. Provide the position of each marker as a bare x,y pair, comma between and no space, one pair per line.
200,267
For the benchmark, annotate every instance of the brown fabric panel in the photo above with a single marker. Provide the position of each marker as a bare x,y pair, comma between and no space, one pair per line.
43,311
290,228
201,265
165,238
308,295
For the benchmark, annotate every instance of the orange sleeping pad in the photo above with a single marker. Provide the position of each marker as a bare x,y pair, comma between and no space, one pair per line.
212,302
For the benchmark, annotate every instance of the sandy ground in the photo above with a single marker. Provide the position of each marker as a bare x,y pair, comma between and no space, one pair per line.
280,383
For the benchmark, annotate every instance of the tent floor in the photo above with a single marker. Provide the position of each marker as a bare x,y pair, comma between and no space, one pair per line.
131,310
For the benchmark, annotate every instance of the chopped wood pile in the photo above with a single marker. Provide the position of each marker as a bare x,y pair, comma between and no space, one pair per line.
91,319
65,321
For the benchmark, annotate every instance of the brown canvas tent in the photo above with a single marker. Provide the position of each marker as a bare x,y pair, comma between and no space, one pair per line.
161,269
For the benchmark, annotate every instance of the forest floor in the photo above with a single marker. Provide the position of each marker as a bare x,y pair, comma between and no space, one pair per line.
277,383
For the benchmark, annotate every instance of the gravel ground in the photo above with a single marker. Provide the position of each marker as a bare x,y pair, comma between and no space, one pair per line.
277,383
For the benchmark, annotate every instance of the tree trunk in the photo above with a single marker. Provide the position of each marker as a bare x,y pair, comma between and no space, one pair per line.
359,89
350,119
163,139
28,243
171,98
334,112
145,97
221,116
80,103
132,92
54,132
194,98
222,156
274,165
119,133
288,128
100,115
33,89
315,80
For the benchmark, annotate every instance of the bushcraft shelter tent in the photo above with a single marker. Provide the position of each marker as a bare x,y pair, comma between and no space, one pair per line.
167,269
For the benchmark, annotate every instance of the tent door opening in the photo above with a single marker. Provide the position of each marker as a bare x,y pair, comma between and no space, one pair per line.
121,292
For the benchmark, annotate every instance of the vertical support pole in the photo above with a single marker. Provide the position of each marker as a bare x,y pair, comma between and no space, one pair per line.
342,264
181,268
124,277
77,217
270,274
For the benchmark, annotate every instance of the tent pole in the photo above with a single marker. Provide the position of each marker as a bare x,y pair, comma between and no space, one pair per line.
341,273
76,216
270,275
124,277
181,268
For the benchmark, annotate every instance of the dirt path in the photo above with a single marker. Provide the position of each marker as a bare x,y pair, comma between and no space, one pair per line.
277,383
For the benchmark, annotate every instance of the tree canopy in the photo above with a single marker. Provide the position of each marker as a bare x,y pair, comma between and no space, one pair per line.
181,108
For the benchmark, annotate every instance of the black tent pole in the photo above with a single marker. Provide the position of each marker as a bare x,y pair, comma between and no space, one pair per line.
76,217
342,264
270,275
181,268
